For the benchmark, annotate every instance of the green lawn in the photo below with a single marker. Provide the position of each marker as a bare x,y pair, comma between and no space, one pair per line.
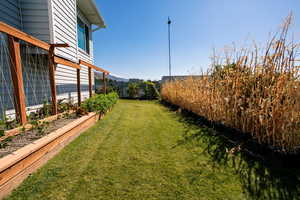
136,152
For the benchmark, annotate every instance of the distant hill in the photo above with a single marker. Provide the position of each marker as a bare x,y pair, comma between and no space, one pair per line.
112,77
117,78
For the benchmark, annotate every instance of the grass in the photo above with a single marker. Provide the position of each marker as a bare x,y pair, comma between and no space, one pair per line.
131,154
143,150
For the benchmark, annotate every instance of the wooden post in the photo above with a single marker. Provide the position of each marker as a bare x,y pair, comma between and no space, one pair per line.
90,82
52,80
78,87
17,79
104,83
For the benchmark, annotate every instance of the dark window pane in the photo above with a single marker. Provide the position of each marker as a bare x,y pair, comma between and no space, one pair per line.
87,39
81,34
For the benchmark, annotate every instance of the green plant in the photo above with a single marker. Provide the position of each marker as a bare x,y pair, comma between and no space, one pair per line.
2,133
100,103
64,106
80,112
40,127
23,129
112,86
150,91
9,124
2,128
4,143
66,115
41,113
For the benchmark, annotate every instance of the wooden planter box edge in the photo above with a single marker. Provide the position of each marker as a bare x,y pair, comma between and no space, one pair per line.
15,167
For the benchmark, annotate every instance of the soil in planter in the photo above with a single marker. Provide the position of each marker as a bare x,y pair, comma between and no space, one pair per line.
14,143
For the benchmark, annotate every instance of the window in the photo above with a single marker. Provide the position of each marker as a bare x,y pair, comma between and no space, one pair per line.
83,36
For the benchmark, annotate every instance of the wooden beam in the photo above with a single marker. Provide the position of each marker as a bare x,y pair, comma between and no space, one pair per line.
15,167
17,79
52,80
78,87
63,61
90,82
60,45
81,62
23,36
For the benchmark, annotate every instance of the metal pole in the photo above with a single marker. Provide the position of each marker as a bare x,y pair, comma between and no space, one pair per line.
104,83
169,38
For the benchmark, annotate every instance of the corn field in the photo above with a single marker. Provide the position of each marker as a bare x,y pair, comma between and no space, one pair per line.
255,90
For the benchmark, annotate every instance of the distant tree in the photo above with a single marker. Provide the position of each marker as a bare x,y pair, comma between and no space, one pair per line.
150,91
112,86
133,90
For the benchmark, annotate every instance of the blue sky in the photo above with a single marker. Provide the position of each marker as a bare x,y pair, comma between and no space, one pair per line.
134,44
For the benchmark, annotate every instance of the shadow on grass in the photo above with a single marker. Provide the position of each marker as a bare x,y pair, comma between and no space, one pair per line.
264,174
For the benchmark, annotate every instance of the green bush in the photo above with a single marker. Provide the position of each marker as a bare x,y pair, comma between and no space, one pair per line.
150,91
100,103
133,90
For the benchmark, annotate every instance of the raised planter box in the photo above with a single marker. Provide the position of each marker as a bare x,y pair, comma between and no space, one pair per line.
15,167
18,130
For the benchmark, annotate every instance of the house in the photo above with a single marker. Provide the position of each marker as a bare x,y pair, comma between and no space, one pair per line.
53,21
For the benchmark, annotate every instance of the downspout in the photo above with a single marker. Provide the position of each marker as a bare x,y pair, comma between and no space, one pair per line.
96,29
76,31
51,22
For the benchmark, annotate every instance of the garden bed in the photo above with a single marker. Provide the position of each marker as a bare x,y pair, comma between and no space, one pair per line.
23,150
16,166
21,138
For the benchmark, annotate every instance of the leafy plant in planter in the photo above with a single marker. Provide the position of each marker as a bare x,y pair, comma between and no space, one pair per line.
4,144
42,112
7,124
2,128
100,103
2,133
80,112
40,127
63,106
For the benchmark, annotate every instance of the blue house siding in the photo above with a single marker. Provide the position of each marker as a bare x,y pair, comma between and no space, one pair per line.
35,18
53,21
10,13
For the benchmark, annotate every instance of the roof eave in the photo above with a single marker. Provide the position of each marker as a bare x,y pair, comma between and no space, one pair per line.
91,12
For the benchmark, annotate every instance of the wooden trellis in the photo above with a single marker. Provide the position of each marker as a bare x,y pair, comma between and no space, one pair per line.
14,36
90,66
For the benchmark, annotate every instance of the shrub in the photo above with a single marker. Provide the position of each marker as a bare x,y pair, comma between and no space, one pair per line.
150,91
100,103
253,90
133,90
